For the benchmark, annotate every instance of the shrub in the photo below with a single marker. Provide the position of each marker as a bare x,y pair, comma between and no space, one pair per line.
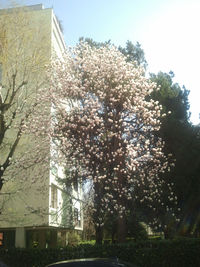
165,253
73,238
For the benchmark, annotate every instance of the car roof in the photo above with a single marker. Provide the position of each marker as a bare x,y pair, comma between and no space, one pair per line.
91,262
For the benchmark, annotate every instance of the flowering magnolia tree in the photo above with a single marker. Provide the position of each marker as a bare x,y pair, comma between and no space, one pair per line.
105,126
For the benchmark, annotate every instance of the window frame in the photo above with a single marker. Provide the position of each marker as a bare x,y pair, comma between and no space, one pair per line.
1,72
54,196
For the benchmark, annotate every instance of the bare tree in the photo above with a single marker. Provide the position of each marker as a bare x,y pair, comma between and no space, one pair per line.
24,55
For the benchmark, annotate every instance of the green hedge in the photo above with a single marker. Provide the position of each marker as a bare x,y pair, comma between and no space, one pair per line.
166,253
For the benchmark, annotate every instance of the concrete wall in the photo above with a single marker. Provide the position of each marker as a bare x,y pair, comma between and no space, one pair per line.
32,36
25,194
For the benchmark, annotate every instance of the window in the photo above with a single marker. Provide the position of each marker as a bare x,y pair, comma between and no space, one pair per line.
75,184
0,72
1,239
7,239
54,197
75,179
77,218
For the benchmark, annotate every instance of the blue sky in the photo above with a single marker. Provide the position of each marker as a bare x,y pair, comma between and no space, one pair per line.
168,31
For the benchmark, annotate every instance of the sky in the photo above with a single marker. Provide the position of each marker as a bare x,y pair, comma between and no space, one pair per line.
168,31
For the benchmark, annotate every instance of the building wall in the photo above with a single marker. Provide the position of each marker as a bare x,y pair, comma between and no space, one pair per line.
27,50
31,37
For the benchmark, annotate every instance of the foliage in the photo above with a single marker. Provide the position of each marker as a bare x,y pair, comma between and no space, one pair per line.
137,230
134,228
166,253
73,238
134,53
172,97
182,140
67,211
93,43
87,242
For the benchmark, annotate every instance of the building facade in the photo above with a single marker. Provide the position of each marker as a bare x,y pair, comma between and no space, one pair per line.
36,208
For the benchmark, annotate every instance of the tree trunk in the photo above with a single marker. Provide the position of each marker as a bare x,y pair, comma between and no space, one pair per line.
121,230
166,233
113,236
99,235
197,231
169,232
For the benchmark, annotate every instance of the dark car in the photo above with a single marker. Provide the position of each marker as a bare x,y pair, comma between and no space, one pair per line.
3,264
99,262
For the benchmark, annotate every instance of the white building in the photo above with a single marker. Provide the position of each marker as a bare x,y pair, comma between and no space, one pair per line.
34,211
